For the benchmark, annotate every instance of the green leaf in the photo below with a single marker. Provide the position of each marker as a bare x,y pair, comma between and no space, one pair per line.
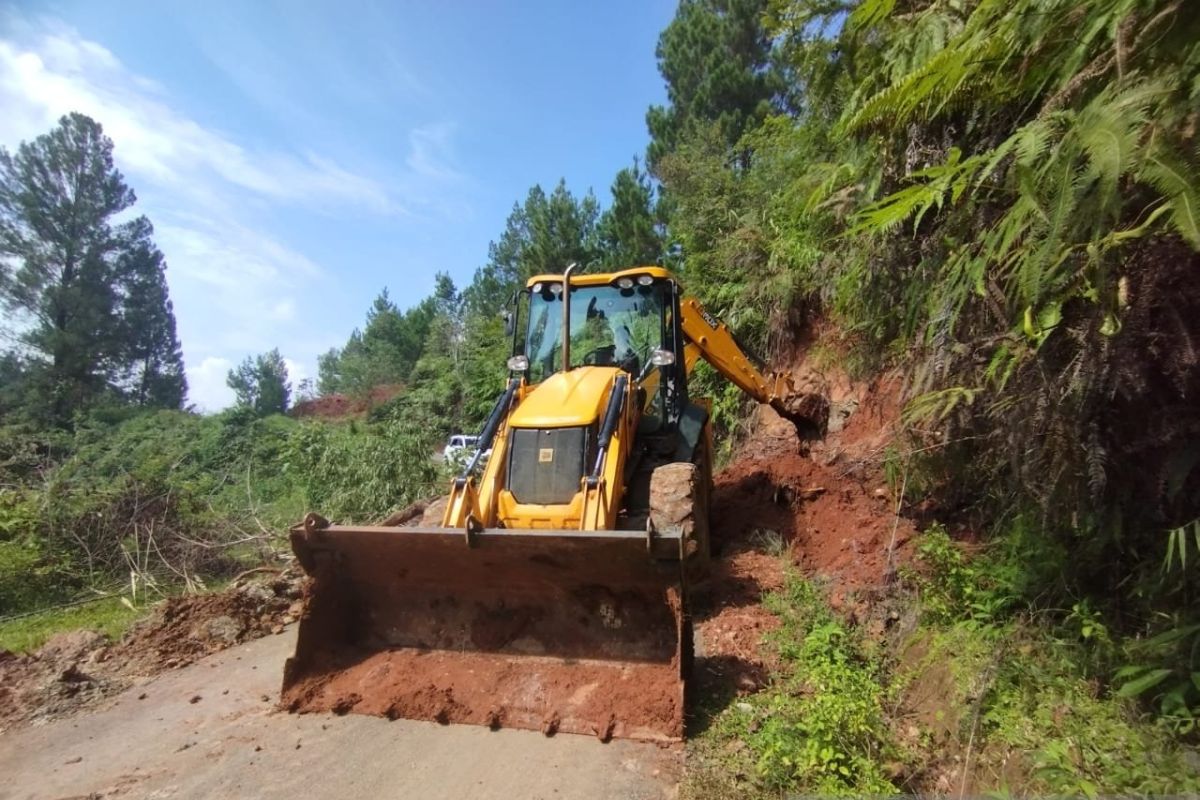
1143,684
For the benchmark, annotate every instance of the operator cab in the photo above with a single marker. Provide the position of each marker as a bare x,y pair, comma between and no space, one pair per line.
628,319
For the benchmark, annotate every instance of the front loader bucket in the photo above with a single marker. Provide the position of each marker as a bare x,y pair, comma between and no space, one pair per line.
572,631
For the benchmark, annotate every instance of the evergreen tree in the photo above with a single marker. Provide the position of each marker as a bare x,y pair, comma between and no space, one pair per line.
67,273
445,329
152,360
715,56
329,372
544,235
628,232
261,383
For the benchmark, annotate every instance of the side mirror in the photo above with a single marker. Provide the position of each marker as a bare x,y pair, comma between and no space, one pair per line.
510,323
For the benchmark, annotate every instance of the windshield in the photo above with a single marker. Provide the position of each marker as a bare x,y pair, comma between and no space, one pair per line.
609,326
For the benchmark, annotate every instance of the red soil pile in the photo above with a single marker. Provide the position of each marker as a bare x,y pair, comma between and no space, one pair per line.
829,511
626,700
832,508
80,668
185,629
336,406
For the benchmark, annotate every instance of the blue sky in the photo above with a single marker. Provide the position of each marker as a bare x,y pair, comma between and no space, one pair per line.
297,157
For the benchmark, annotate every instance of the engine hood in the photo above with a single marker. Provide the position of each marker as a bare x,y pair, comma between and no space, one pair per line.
566,399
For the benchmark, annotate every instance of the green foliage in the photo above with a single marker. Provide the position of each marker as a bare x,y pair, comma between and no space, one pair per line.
715,57
1166,672
109,616
361,475
90,295
1079,741
386,350
261,383
820,727
628,233
954,587
823,729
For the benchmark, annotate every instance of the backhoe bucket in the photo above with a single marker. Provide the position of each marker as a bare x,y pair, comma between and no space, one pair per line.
572,631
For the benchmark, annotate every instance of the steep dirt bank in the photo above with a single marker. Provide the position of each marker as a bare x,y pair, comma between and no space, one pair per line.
829,511
78,669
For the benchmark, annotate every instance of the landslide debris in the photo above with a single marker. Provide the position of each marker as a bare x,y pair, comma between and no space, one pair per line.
826,512
77,669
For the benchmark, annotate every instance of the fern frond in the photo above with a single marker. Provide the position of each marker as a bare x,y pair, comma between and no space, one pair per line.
1171,177
868,13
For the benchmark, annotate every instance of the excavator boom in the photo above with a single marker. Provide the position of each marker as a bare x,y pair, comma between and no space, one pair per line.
711,339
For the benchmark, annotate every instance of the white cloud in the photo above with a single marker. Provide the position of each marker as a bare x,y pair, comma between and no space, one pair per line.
206,384
58,72
430,152
297,372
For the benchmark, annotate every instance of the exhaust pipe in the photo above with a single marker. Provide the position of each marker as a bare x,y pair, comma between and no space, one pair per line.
566,333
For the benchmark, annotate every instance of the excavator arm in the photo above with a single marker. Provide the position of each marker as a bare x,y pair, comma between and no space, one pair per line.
709,338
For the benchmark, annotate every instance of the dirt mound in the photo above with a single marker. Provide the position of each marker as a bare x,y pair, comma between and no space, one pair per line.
832,509
184,629
80,668
829,511
335,406
67,672
604,699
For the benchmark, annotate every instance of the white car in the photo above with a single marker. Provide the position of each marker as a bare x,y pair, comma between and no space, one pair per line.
460,448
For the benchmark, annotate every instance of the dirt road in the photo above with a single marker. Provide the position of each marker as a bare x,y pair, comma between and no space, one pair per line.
212,730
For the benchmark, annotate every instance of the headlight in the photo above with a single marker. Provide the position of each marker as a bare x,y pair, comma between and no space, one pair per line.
645,280
556,288
661,358
518,363
625,283
537,287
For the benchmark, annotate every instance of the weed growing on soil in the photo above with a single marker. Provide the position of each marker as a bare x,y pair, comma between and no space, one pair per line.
989,695
1079,738
819,728
953,587
108,616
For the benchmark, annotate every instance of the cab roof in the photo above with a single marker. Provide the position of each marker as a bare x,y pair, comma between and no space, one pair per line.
603,278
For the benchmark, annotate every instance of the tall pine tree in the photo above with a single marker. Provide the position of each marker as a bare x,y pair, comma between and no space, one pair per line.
152,360
715,56
77,284
628,232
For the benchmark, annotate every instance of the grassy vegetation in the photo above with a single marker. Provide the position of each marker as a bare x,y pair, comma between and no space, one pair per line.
109,616
979,695
818,729
181,500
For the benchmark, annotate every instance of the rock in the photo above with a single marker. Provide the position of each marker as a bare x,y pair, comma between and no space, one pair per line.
257,593
840,413
224,629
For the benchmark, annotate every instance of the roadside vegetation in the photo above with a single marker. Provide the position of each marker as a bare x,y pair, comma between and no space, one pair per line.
975,690
998,201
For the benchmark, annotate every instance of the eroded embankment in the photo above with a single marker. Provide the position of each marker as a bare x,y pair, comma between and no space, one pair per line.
827,512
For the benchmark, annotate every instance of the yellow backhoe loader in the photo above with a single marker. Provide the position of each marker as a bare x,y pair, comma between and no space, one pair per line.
552,593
